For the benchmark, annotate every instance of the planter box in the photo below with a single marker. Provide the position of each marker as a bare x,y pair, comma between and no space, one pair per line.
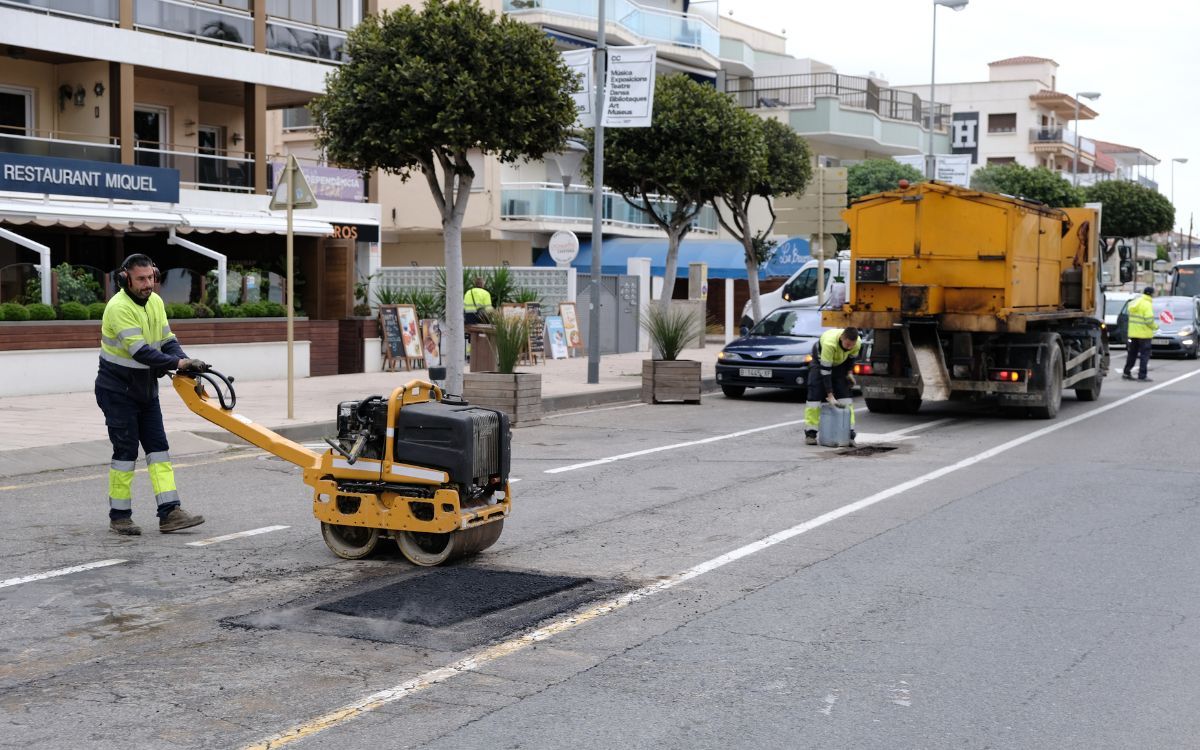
518,395
670,380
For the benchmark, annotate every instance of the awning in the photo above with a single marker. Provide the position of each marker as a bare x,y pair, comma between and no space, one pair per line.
725,258
144,218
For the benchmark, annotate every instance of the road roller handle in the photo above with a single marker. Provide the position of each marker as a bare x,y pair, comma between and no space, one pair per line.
191,387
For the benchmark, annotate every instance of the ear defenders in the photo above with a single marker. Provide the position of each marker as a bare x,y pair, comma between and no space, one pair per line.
139,259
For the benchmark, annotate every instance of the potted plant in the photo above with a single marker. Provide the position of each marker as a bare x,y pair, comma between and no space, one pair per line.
518,394
665,377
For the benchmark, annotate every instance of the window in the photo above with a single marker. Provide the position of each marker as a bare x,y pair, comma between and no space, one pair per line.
1006,123
16,111
803,286
992,160
332,14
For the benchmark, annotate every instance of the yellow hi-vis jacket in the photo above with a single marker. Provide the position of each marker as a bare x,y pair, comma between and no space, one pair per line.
1142,323
136,345
830,353
476,298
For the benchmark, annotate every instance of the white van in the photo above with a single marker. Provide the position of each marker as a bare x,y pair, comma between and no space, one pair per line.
801,287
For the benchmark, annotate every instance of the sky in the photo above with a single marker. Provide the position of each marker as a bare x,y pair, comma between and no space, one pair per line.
1143,57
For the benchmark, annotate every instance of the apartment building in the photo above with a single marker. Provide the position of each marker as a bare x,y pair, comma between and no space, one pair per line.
151,126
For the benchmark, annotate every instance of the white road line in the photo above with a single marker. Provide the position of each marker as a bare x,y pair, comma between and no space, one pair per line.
648,451
238,535
591,411
901,434
471,663
60,572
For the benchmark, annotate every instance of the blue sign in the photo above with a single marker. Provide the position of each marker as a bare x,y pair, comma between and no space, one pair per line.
94,179
789,256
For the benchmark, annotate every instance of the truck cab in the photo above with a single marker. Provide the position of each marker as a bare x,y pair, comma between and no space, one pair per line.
801,287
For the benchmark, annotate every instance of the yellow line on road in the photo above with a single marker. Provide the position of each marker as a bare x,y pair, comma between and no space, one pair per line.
89,477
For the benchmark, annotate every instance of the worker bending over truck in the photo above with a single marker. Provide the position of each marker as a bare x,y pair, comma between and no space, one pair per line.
829,378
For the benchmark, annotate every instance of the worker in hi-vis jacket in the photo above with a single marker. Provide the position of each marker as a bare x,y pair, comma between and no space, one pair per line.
829,377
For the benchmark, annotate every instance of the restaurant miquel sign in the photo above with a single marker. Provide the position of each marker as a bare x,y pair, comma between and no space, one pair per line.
94,179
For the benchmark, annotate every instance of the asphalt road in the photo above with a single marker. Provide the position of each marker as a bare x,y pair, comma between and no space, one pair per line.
988,583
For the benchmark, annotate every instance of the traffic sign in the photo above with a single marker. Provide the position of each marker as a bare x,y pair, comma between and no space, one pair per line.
1166,317
302,194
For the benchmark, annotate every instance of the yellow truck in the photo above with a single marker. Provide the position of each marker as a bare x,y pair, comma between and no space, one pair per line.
973,296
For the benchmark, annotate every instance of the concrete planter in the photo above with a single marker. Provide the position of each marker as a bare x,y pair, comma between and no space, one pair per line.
518,395
670,380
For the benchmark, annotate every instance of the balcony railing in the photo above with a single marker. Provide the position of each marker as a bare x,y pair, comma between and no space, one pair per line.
196,20
1061,135
216,170
59,144
856,92
107,11
648,23
300,40
1147,182
545,201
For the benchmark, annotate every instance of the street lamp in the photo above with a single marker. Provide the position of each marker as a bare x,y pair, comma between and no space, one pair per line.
1092,95
930,171
1181,160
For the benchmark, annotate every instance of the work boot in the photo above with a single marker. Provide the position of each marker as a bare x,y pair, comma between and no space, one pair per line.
124,527
853,435
178,519
810,437
1126,376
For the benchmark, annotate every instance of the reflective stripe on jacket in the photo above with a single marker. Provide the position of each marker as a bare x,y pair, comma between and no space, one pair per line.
475,298
1142,323
127,328
831,354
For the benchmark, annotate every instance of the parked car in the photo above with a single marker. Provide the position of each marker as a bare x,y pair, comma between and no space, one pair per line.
1114,303
776,353
1177,321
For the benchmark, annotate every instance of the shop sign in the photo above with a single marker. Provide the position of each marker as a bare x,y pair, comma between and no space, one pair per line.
329,183
94,179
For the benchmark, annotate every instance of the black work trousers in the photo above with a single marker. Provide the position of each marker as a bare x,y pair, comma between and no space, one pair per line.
1137,350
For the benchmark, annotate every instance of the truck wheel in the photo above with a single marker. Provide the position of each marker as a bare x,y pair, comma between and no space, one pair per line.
1090,390
881,405
733,391
1052,378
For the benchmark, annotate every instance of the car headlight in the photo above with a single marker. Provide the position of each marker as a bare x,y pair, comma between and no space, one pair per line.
1187,330
727,355
795,358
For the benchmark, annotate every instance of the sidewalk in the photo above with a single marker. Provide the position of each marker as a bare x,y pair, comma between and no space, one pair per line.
66,430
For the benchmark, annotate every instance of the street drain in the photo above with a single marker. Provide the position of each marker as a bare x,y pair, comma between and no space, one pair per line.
451,608
451,595
868,450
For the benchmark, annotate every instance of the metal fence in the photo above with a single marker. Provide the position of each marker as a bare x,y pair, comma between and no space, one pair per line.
858,92
549,283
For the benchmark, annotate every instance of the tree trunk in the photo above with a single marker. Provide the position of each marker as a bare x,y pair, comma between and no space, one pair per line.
674,237
752,276
453,349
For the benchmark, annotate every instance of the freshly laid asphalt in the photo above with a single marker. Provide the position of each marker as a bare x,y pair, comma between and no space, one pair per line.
66,430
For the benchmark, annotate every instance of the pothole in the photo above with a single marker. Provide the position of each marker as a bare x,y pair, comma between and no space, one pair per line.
867,450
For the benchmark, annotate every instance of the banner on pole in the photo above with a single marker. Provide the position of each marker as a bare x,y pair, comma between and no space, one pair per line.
629,87
583,63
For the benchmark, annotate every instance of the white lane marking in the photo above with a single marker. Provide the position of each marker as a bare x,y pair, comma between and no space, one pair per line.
471,663
901,434
648,451
238,535
830,698
513,479
591,411
59,572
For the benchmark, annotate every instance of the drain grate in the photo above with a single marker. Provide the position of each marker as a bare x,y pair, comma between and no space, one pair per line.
451,595
868,450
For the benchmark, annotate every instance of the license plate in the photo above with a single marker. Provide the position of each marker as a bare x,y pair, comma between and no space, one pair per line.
747,372
1163,342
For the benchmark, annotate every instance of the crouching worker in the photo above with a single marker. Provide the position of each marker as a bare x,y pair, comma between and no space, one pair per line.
829,378
136,349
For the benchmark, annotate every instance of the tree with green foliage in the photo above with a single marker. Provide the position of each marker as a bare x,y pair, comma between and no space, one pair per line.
877,175
697,139
785,170
1038,184
1130,210
422,88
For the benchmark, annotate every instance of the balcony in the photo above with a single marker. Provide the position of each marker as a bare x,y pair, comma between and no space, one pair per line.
737,57
650,24
219,169
546,202
1054,137
59,144
855,92
195,20
105,11
303,40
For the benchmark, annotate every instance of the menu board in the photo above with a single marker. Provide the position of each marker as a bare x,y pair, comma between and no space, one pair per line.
431,338
409,331
389,324
570,325
556,337
537,325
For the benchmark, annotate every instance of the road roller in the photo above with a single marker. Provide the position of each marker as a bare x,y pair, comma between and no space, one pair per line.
420,467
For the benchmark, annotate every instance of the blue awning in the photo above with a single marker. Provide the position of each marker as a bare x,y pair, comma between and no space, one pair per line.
725,258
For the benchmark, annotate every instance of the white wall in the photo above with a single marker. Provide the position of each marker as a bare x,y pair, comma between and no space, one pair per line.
67,370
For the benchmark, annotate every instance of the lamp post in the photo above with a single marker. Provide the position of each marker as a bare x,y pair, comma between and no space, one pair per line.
930,170
1181,160
1093,96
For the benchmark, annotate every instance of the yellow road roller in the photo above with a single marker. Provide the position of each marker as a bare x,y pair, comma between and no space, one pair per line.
418,466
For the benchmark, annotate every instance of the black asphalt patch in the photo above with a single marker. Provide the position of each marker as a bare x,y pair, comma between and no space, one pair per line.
448,609
451,595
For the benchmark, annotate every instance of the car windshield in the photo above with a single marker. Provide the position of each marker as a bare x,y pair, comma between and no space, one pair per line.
794,322
1114,306
1187,281
1181,308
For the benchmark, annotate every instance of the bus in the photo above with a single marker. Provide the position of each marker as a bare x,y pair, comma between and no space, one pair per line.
1185,278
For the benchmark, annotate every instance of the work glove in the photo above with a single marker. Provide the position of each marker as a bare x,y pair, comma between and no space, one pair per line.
831,399
193,365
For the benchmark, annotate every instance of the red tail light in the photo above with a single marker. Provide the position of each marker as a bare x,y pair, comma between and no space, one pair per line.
1009,376
863,368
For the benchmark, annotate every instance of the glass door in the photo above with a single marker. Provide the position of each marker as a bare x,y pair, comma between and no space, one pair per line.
209,145
150,135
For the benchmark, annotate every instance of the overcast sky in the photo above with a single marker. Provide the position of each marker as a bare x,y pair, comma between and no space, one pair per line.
1143,57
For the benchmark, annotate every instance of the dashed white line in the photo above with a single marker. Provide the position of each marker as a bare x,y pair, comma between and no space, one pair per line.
381,698
238,535
60,572
592,411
